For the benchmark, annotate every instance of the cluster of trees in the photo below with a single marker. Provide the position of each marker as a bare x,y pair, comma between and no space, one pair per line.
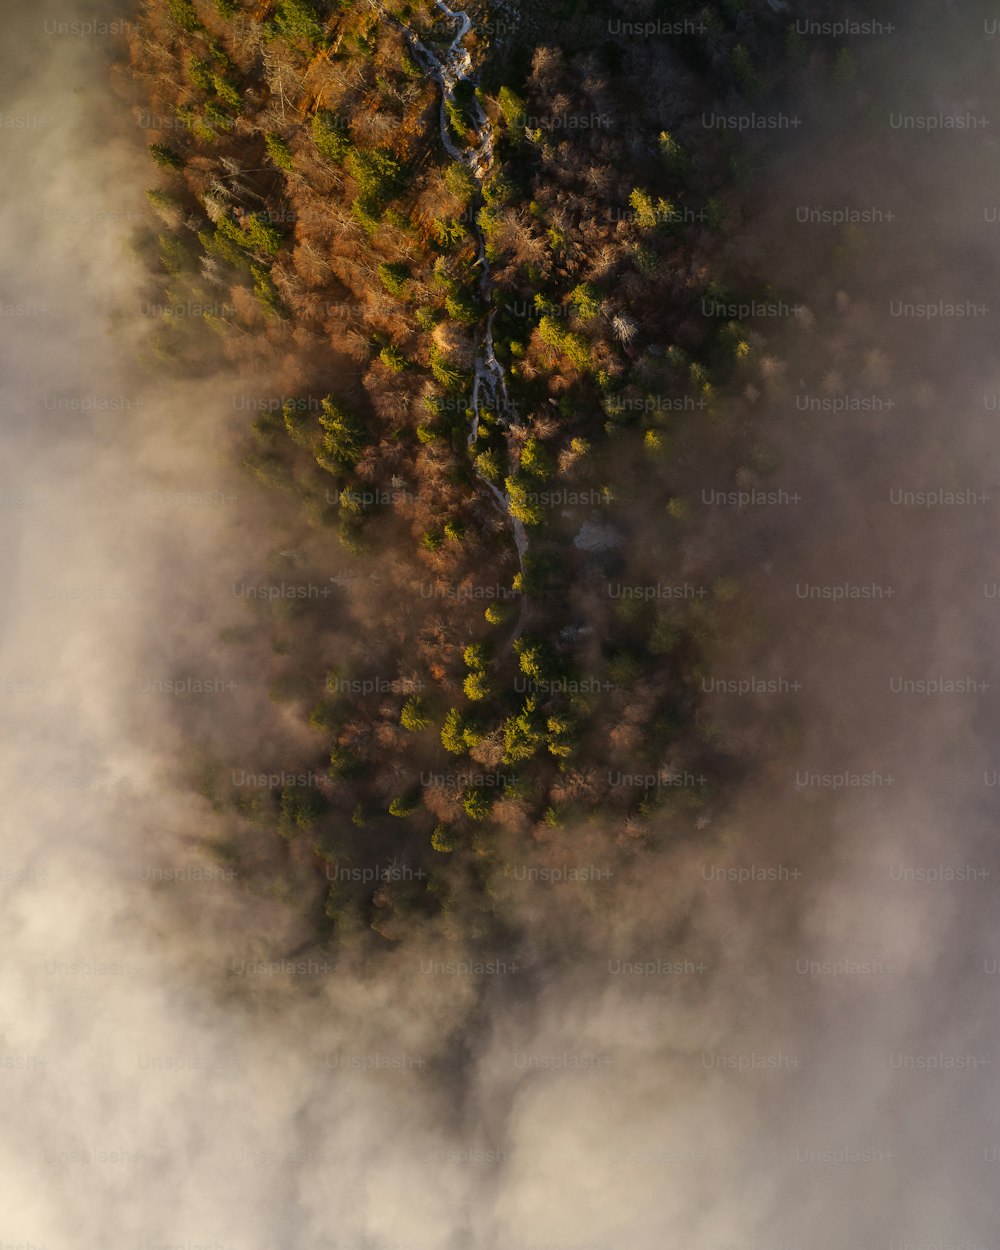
306,198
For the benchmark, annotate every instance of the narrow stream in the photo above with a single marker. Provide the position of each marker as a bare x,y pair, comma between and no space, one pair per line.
489,386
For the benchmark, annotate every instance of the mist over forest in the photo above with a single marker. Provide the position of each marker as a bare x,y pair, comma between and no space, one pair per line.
497,643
